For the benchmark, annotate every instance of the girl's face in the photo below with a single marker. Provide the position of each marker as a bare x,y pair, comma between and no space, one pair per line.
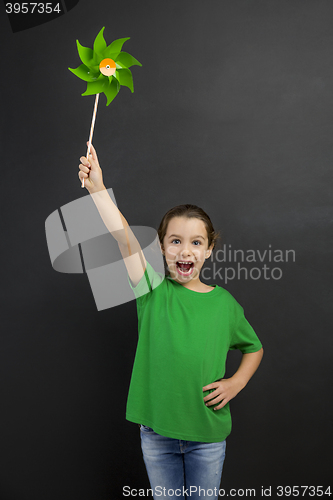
185,247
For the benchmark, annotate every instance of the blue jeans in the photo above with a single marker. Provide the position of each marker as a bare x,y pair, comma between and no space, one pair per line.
182,469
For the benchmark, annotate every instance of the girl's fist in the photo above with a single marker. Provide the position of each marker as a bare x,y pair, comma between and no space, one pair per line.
91,172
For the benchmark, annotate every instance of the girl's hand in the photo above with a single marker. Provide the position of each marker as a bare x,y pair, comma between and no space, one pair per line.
91,172
225,390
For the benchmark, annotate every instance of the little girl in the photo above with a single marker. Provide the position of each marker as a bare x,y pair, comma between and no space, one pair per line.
177,393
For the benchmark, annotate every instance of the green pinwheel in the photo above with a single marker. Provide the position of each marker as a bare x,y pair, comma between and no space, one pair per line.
105,67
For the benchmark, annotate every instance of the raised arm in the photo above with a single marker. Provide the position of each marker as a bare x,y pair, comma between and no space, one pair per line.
113,219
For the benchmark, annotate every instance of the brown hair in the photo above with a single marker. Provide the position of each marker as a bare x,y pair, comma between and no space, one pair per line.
189,211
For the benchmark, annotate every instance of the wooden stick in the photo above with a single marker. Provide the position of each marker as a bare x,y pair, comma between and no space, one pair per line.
91,130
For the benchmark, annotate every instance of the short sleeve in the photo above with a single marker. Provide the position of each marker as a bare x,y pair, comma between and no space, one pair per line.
149,281
244,337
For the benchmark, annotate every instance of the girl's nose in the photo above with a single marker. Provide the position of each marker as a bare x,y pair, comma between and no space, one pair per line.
185,252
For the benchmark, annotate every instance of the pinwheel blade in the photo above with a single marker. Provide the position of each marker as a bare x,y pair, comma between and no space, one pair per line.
96,87
85,54
126,60
125,78
99,43
114,48
111,91
85,73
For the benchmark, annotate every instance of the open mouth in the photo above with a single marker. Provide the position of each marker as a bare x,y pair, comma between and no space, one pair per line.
185,268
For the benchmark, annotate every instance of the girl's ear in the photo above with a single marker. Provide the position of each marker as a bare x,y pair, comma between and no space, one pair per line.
209,252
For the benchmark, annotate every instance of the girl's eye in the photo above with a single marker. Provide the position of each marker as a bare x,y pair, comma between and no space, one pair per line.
173,241
196,241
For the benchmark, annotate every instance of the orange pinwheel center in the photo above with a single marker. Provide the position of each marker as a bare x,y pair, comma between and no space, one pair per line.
107,67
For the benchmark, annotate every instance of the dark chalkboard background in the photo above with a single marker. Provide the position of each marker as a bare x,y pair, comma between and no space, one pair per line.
232,111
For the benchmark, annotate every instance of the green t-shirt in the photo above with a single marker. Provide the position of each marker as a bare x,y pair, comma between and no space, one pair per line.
184,338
